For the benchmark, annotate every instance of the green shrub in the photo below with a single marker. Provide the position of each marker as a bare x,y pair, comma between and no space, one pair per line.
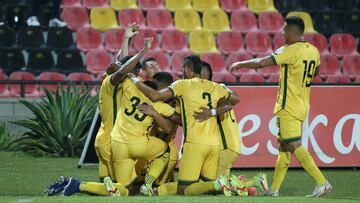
4,137
59,128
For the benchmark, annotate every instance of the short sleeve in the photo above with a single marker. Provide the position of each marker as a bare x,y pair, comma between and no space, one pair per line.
283,55
223,91
164,109
177,87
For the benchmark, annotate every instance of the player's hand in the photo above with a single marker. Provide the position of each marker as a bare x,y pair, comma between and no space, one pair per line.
234,67
203,115
131,30
147,109
147,43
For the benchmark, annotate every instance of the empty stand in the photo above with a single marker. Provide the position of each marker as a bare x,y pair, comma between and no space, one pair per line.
328,22
228,77
131,15
16,15
122,4
271,22
11,59
103,19
97,61
4,91
59,38
78,76
70,60
218,77
173,40
159,19
269,70
309,28
31,36
258,43
202,41
215,60
279,40
145,33
352,65
316,80
344,5
243,21
50,76
7,36
187,20
319,41
274,78
316,6
75,17
230,42
15,90
259,6
338,79
40,60
236,57
113,39
88,38
233,5
251,78
65,3
174,5
215,21
352,23
150,4
285,6
177,59
342,44
89,4
201,5
329,65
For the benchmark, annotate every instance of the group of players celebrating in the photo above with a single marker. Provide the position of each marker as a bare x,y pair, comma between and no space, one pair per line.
139,119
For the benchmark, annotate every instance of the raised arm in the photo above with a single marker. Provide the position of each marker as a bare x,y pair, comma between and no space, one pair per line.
130,32
127,67
253,63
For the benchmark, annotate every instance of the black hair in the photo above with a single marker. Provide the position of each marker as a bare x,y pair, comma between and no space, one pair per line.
151,84
164,77
208,67
143,63
126,58
194,62
296,21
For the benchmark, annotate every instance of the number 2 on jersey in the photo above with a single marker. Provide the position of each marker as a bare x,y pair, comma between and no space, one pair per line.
309,71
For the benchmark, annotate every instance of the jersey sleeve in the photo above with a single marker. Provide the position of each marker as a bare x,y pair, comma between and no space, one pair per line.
223,91
164,109
284,55
177,87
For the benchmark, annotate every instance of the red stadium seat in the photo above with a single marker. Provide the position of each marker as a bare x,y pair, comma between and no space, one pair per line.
329,65
271,22
352,65
319,41
243,22
4,88
230,42
258,43
218,77
340,79
216,61
145,33
128,16
177,59
274,78
173,40
30,89
75,17
252,78
357,80
279,40
150,4
89,4
228,77
317,79
342,44
97,60
161,58
113,39
65,3
159,19
79,76
233,5
240,57
50,76
88,38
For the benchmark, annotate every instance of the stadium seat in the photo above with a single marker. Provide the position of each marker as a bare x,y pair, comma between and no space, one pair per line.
344,5
215,21
88,38
103,19
279,40
174,5
70,60
233,5
338,79
187,20
236,57
159,19
351,65
315,6
319,41
11,60
113,39
128,16
40,60
78,76
258,43
201,5
202,41
4,88
7,36
230,42
50,76
274,78
65,3
145,33
328,22
122,4
173,40
317,80
251,78
30,89
309,28
285,6
216,61
259,6
228,77
329,65
44,15
352,23
218,77
161,58
89,4
269,70
30,37
342,44
176,62
59,37
357,80
243,21
16,15
271,22
75,17
151,4
97,61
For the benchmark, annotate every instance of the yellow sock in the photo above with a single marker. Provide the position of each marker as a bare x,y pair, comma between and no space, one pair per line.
168,189
93,188
156,168
199,188
307,162
281,166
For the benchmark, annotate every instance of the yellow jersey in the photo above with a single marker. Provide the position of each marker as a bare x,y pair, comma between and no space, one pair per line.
231,131
193,94
131,125
298,63
108,103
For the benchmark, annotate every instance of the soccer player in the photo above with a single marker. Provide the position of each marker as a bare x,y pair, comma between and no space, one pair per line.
299,62
202,139
150,66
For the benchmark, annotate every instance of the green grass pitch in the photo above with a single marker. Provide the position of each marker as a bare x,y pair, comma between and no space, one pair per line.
23,179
